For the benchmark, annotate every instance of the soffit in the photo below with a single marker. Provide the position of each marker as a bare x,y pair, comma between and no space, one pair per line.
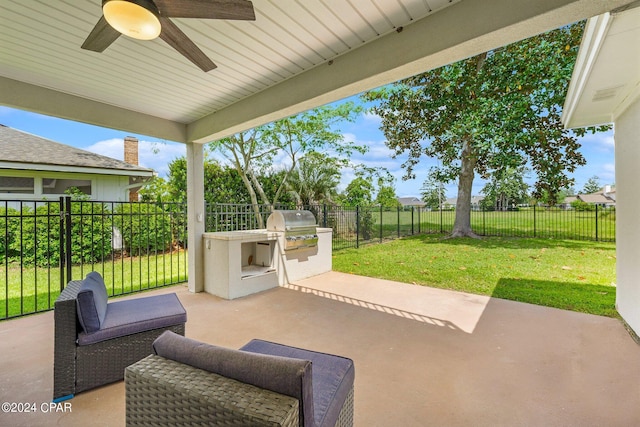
295,56
606,78
40,44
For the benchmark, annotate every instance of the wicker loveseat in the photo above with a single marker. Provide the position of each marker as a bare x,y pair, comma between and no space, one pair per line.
95,340
263,384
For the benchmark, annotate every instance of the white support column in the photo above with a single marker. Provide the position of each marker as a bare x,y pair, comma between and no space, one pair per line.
195,215
627,142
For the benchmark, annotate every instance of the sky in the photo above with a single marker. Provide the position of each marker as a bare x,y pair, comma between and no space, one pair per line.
157,154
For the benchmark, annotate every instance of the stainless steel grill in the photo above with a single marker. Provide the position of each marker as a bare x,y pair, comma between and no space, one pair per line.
299,228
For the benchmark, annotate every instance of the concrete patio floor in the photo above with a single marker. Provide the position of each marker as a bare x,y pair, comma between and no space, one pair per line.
423,357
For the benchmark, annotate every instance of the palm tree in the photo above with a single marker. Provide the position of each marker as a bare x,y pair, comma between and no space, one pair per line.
315,179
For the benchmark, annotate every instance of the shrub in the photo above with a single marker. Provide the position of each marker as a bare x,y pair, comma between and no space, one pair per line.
581,206
9,231
40,243
91,232
145,227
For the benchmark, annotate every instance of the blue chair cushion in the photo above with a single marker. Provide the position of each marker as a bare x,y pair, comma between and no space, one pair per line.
332,378
91,302
284,375
132,316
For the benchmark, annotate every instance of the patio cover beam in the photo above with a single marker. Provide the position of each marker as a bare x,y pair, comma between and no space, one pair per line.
465,29
42,100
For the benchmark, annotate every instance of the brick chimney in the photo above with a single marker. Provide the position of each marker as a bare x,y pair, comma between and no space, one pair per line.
131,157
131,150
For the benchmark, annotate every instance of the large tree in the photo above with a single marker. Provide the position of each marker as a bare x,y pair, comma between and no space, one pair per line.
386,196
433,194
280,145
358,193
592,185
494,110
506,188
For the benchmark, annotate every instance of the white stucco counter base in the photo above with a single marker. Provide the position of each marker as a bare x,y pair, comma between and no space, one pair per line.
240,263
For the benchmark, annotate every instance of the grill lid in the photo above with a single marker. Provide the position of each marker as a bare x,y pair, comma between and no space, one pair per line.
289,220
299,228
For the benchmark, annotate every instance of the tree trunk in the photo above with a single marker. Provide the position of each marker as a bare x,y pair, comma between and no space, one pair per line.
462,224
254,199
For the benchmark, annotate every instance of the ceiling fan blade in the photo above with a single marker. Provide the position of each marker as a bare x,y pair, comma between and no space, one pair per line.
101,36
207,9
179,41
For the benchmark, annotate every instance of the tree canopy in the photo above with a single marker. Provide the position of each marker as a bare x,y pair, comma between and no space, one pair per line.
386,196
281,144
592,185
222,184
433,194
506,188
495,110
315,179
359,192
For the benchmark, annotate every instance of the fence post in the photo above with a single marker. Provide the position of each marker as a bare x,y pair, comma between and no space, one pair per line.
68,237
596,222
441,229
324,215
484,225
65,241
61,244
398,220
381,223
534,220
412,220
357,227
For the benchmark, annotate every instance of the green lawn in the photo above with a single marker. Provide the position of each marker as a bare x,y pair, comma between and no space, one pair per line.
571,275
40,287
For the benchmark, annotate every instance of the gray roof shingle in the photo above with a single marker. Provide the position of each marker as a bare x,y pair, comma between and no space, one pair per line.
22,147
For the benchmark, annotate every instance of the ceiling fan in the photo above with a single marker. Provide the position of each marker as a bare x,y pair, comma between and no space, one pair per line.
148,19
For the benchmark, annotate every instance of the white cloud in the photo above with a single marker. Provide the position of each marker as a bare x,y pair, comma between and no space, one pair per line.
151,154
603,142
372,118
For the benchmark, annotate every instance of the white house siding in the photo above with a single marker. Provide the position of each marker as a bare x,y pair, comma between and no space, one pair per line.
627,221
103,187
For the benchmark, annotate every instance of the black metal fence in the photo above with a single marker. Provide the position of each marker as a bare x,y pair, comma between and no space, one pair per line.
45,244
353,227
139,246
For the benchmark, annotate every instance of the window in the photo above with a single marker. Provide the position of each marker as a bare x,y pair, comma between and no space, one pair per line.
16,185
60,186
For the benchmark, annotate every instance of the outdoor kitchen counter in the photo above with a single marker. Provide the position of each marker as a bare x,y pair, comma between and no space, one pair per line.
240,263
244,235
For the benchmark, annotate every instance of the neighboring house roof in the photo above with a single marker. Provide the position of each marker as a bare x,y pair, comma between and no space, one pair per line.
570,199
609,191
410,201
474,200
606,196
22,150
597,198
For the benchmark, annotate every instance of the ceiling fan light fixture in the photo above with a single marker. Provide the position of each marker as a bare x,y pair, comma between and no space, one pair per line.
134,18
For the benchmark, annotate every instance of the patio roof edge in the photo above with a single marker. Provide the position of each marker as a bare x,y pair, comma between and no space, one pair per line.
25,96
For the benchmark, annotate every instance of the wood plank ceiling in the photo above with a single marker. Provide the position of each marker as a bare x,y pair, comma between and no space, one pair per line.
40,45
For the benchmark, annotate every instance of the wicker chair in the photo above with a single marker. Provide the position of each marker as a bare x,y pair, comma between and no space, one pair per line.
262,384
84,360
